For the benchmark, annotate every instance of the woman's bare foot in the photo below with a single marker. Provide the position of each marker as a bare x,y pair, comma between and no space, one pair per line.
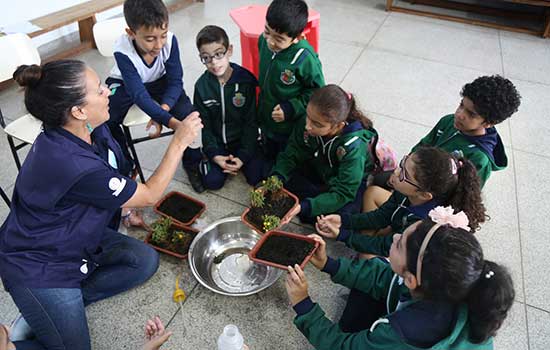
132,218
5,343
155,334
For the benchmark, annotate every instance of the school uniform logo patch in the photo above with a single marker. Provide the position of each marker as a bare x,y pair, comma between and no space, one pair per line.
458,153
117,185
239,100
288,77
340,152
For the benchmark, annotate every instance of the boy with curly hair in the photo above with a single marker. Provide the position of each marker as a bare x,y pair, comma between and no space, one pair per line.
470,131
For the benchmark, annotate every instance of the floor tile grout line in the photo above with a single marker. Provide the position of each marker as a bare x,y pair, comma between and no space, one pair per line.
501,55
376,48
534,307
515,166
530,153
364,49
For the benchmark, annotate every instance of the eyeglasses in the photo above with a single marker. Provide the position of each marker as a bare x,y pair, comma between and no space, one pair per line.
206,58
403,176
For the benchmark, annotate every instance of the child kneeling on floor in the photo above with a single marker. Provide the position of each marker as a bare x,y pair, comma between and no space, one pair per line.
437,292
225,96
326,157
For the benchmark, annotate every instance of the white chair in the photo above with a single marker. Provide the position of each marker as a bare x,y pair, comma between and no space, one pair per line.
105,35
18,49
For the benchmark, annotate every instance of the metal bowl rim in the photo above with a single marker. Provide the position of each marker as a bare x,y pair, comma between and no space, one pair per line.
199,278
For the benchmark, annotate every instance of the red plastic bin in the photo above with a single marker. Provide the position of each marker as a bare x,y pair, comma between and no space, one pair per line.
251,22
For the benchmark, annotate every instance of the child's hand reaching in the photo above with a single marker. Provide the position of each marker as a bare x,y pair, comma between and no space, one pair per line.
278,114
291,214
328,225
319,258
296,284
153,128
155,334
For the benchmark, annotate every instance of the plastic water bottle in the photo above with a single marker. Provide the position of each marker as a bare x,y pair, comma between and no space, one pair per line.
230,339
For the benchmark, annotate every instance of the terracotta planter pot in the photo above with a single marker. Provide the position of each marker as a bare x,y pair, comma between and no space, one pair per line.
169,252
259,229
173,195
253,253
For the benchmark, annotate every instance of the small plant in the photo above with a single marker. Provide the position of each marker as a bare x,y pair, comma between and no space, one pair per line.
257,197
160,229
270,222
273,184
180,237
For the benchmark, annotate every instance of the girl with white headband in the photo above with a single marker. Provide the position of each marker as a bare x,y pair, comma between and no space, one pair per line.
438,291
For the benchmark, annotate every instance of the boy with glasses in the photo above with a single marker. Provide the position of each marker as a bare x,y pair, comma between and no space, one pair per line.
225,96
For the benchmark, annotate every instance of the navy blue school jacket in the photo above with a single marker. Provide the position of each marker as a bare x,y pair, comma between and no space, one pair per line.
65,195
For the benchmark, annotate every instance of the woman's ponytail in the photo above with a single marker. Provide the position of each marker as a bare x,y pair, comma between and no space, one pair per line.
355,113
489,301
467,193
451,181
454,270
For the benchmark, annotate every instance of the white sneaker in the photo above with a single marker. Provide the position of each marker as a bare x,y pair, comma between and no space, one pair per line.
20,329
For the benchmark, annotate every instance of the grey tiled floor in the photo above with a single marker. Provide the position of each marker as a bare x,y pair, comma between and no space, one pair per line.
406,72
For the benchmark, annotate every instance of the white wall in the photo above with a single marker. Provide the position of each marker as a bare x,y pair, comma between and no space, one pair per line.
25,10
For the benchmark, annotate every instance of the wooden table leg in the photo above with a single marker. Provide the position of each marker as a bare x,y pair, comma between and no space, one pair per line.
389,4
85,28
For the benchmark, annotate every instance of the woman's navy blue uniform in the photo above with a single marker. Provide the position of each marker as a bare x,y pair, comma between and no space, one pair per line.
58,249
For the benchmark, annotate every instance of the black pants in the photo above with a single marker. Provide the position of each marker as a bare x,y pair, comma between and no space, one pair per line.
120,102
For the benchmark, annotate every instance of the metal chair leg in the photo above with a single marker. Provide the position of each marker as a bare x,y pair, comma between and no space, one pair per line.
130,142
14,152
5,197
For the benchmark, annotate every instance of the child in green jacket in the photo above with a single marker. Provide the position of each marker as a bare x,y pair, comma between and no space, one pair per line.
325,160
437,292
486,102
427,178
225,96
470,132
290,71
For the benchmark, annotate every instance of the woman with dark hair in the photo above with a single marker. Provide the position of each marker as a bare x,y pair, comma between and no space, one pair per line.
58,249
437,292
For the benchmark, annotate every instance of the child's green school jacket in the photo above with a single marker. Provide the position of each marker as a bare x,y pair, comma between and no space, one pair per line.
396,212
228,113
486,152
287,78
339,163
407,321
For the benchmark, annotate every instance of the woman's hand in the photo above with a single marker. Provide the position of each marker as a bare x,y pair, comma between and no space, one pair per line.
328,225
319,258
188,129
156,334
296,284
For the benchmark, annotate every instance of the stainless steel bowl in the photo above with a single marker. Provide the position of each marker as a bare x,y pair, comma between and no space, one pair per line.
219,260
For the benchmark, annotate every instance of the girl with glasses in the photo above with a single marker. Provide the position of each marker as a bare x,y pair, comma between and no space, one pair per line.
425,179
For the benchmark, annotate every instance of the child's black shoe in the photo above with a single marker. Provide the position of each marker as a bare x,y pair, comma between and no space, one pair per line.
195,179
